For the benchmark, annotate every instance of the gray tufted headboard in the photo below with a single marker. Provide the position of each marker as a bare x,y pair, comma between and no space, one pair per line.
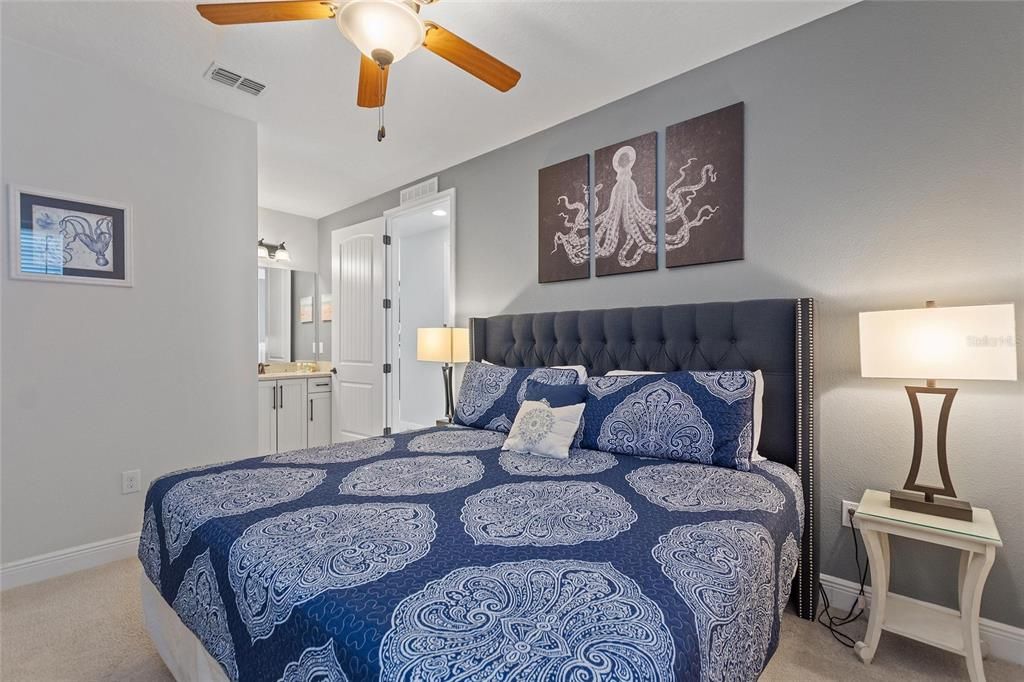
773,335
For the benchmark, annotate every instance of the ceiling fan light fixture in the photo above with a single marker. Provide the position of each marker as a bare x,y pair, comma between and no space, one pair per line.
381,28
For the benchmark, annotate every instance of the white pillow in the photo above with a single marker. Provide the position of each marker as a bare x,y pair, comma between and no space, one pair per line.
543,430
755,456
758,400
627,373
580,370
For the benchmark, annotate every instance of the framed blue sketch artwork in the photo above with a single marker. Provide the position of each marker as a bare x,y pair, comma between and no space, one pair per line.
64,238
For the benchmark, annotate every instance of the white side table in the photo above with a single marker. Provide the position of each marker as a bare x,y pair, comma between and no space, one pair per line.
954,631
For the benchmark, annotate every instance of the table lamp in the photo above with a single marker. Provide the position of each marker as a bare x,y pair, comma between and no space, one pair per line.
447,345
967,342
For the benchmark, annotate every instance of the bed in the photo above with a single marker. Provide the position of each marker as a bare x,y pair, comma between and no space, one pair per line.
434,555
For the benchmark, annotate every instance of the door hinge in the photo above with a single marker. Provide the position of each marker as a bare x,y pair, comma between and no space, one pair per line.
387,368
387,430
387,304
387,240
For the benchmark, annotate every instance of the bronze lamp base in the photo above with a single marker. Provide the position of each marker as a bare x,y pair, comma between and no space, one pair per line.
948,507
921,498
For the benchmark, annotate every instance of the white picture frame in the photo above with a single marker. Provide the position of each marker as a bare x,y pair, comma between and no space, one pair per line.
100,252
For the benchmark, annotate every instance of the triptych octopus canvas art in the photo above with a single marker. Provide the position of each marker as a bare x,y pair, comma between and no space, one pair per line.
614,217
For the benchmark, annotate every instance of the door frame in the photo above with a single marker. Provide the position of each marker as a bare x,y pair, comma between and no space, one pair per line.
444,199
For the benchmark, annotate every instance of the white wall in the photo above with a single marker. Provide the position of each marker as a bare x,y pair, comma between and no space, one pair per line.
421,300
884,167
298,232
157,377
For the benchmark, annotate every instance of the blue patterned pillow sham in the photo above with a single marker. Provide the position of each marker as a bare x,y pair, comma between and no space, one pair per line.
490,395
556,396
702,417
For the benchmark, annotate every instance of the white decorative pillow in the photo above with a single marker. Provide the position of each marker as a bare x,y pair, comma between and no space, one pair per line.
543,430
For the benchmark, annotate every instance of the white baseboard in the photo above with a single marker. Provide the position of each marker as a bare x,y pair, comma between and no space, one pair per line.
62,562
1005,641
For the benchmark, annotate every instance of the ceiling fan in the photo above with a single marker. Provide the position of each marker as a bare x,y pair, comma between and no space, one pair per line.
384,31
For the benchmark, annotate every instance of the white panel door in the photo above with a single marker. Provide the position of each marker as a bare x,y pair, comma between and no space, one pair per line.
357,330
291,414
319,433
267,421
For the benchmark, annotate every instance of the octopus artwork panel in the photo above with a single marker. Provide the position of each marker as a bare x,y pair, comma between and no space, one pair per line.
704,188
563,222
625,206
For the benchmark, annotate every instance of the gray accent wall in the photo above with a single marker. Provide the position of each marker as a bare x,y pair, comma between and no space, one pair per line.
884,167
298,232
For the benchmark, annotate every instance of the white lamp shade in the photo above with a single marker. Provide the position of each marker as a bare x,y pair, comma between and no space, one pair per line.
381,25
442,344
967,342
282,254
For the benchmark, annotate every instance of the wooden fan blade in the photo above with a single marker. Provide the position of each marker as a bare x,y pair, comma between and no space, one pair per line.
470,58
373,84
259,12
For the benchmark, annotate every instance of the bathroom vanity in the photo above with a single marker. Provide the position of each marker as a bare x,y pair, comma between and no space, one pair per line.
295,410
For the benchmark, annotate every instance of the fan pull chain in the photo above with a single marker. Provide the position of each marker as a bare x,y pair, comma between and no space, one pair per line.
380,109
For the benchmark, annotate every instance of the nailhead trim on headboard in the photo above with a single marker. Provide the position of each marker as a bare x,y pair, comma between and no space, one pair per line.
808,573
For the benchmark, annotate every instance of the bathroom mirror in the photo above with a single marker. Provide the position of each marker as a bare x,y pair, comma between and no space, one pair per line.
326,315
289,315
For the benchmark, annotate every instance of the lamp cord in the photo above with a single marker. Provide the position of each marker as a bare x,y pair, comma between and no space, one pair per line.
833,623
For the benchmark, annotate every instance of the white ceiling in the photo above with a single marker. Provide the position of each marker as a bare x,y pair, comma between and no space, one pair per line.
318,152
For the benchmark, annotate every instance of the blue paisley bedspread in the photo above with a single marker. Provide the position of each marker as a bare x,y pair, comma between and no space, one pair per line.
432,555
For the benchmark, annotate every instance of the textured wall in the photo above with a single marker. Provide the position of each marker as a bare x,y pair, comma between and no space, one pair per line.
157,377
884,167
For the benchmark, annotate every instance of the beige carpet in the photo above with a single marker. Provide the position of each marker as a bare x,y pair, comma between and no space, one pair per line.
88,627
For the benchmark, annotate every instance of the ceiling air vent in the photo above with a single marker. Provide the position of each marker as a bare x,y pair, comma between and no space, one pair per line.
251,86
218,74
423,189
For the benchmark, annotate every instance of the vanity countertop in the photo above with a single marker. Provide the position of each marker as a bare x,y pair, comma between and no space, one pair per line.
274,376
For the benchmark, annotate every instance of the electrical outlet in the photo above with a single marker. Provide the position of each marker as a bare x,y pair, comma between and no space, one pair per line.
848,509
131,481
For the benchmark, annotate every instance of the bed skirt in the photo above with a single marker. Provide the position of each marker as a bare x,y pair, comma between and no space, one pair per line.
181,651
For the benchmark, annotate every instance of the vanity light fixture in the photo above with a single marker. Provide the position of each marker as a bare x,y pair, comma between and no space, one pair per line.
272,251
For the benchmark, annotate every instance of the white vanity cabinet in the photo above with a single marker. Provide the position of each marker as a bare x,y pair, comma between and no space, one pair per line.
291,414
268,418
295,413
318,431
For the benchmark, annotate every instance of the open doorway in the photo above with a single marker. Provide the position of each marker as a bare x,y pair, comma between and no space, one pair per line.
422,292
404,260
